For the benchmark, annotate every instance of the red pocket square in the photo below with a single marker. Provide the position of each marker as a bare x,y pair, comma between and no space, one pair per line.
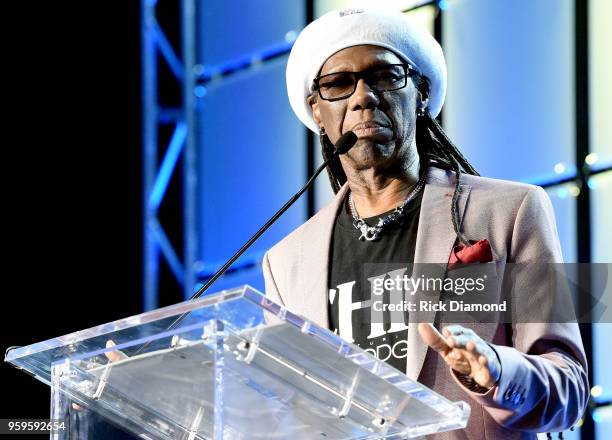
477,252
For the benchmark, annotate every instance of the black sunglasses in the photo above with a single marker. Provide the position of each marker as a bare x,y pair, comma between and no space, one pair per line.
341,85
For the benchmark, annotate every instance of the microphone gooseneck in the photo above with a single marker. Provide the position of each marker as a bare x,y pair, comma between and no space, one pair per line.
342,146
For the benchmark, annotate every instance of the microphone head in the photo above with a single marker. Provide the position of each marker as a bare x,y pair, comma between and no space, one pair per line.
346,142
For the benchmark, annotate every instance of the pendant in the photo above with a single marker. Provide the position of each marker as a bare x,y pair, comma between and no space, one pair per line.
368,233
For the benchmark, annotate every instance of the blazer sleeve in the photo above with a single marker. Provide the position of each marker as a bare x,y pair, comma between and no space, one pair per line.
543,385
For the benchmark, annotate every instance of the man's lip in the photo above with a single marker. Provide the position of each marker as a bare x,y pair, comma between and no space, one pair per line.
368,124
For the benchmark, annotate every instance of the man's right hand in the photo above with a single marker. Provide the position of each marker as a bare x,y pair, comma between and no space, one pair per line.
112,356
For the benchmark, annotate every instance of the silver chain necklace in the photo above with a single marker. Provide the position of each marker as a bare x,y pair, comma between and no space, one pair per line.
371,233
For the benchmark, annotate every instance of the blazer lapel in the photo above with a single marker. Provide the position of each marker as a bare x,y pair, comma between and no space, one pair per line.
314,259
434,242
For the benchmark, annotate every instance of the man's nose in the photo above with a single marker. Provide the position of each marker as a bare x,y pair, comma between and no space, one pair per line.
364,97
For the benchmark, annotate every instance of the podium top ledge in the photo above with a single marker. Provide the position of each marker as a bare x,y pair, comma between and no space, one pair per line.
242,307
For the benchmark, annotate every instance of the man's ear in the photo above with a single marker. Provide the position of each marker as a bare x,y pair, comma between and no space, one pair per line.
424,101
423,91
314,105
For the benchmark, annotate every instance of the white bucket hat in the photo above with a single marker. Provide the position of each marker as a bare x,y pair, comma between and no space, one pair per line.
344,28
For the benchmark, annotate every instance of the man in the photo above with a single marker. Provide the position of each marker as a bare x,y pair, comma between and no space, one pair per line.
405,194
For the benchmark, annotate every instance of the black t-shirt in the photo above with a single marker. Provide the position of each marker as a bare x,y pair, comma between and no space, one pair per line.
358,269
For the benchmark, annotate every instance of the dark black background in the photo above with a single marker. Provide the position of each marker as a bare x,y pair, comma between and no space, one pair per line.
71,176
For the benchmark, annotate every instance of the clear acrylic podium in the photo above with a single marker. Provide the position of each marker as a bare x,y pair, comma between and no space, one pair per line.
237,366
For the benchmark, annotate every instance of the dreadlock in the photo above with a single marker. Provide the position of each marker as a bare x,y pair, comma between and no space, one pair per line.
434,148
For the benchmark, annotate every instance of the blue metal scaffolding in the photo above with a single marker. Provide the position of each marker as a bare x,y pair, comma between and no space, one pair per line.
156,177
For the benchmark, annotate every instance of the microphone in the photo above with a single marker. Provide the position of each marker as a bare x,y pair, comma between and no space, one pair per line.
344,144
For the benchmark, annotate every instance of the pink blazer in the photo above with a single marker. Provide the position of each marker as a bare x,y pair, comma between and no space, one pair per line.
543,386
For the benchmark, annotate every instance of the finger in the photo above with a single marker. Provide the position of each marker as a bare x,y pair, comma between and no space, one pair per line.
484,367
459,357
432,337
479,349
483,361
472,355
487,363
455,329
460,332
460,341
456,354
471,347
481,365
457,361
113,356
472,351
464,356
